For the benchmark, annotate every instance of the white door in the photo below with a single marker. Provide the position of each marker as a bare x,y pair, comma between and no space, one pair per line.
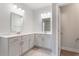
59,29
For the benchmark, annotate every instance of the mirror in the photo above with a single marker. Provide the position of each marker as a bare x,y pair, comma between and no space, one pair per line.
46,24
16,23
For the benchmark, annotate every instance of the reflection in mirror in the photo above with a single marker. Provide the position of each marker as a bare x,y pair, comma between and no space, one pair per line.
46,25
16,23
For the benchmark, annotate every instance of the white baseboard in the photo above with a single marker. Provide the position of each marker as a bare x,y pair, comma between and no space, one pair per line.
71,49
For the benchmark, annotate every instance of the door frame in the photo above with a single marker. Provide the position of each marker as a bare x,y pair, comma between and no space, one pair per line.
58,11
56,28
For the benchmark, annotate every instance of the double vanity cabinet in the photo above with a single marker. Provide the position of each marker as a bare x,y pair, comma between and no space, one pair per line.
19,44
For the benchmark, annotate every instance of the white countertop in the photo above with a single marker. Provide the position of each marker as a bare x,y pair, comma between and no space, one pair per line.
8,35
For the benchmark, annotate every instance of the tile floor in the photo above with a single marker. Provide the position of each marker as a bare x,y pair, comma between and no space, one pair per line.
68,53
45,52
38,52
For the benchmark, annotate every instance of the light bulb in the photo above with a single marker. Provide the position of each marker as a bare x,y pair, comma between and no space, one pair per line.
15,6
22,10
49,14
19,9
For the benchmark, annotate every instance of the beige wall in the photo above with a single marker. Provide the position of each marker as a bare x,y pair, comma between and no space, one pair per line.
70,26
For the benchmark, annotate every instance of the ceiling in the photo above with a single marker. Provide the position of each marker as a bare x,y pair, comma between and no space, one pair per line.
35,6
63,4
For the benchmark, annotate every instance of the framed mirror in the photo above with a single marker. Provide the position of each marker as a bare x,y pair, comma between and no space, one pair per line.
16,23
46,25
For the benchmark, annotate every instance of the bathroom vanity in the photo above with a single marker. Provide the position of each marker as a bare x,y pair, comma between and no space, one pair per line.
18,44
15,45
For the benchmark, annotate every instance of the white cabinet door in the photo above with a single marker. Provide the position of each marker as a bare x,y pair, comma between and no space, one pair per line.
31,41
47,41
44,40
25,44
39,41
14,48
